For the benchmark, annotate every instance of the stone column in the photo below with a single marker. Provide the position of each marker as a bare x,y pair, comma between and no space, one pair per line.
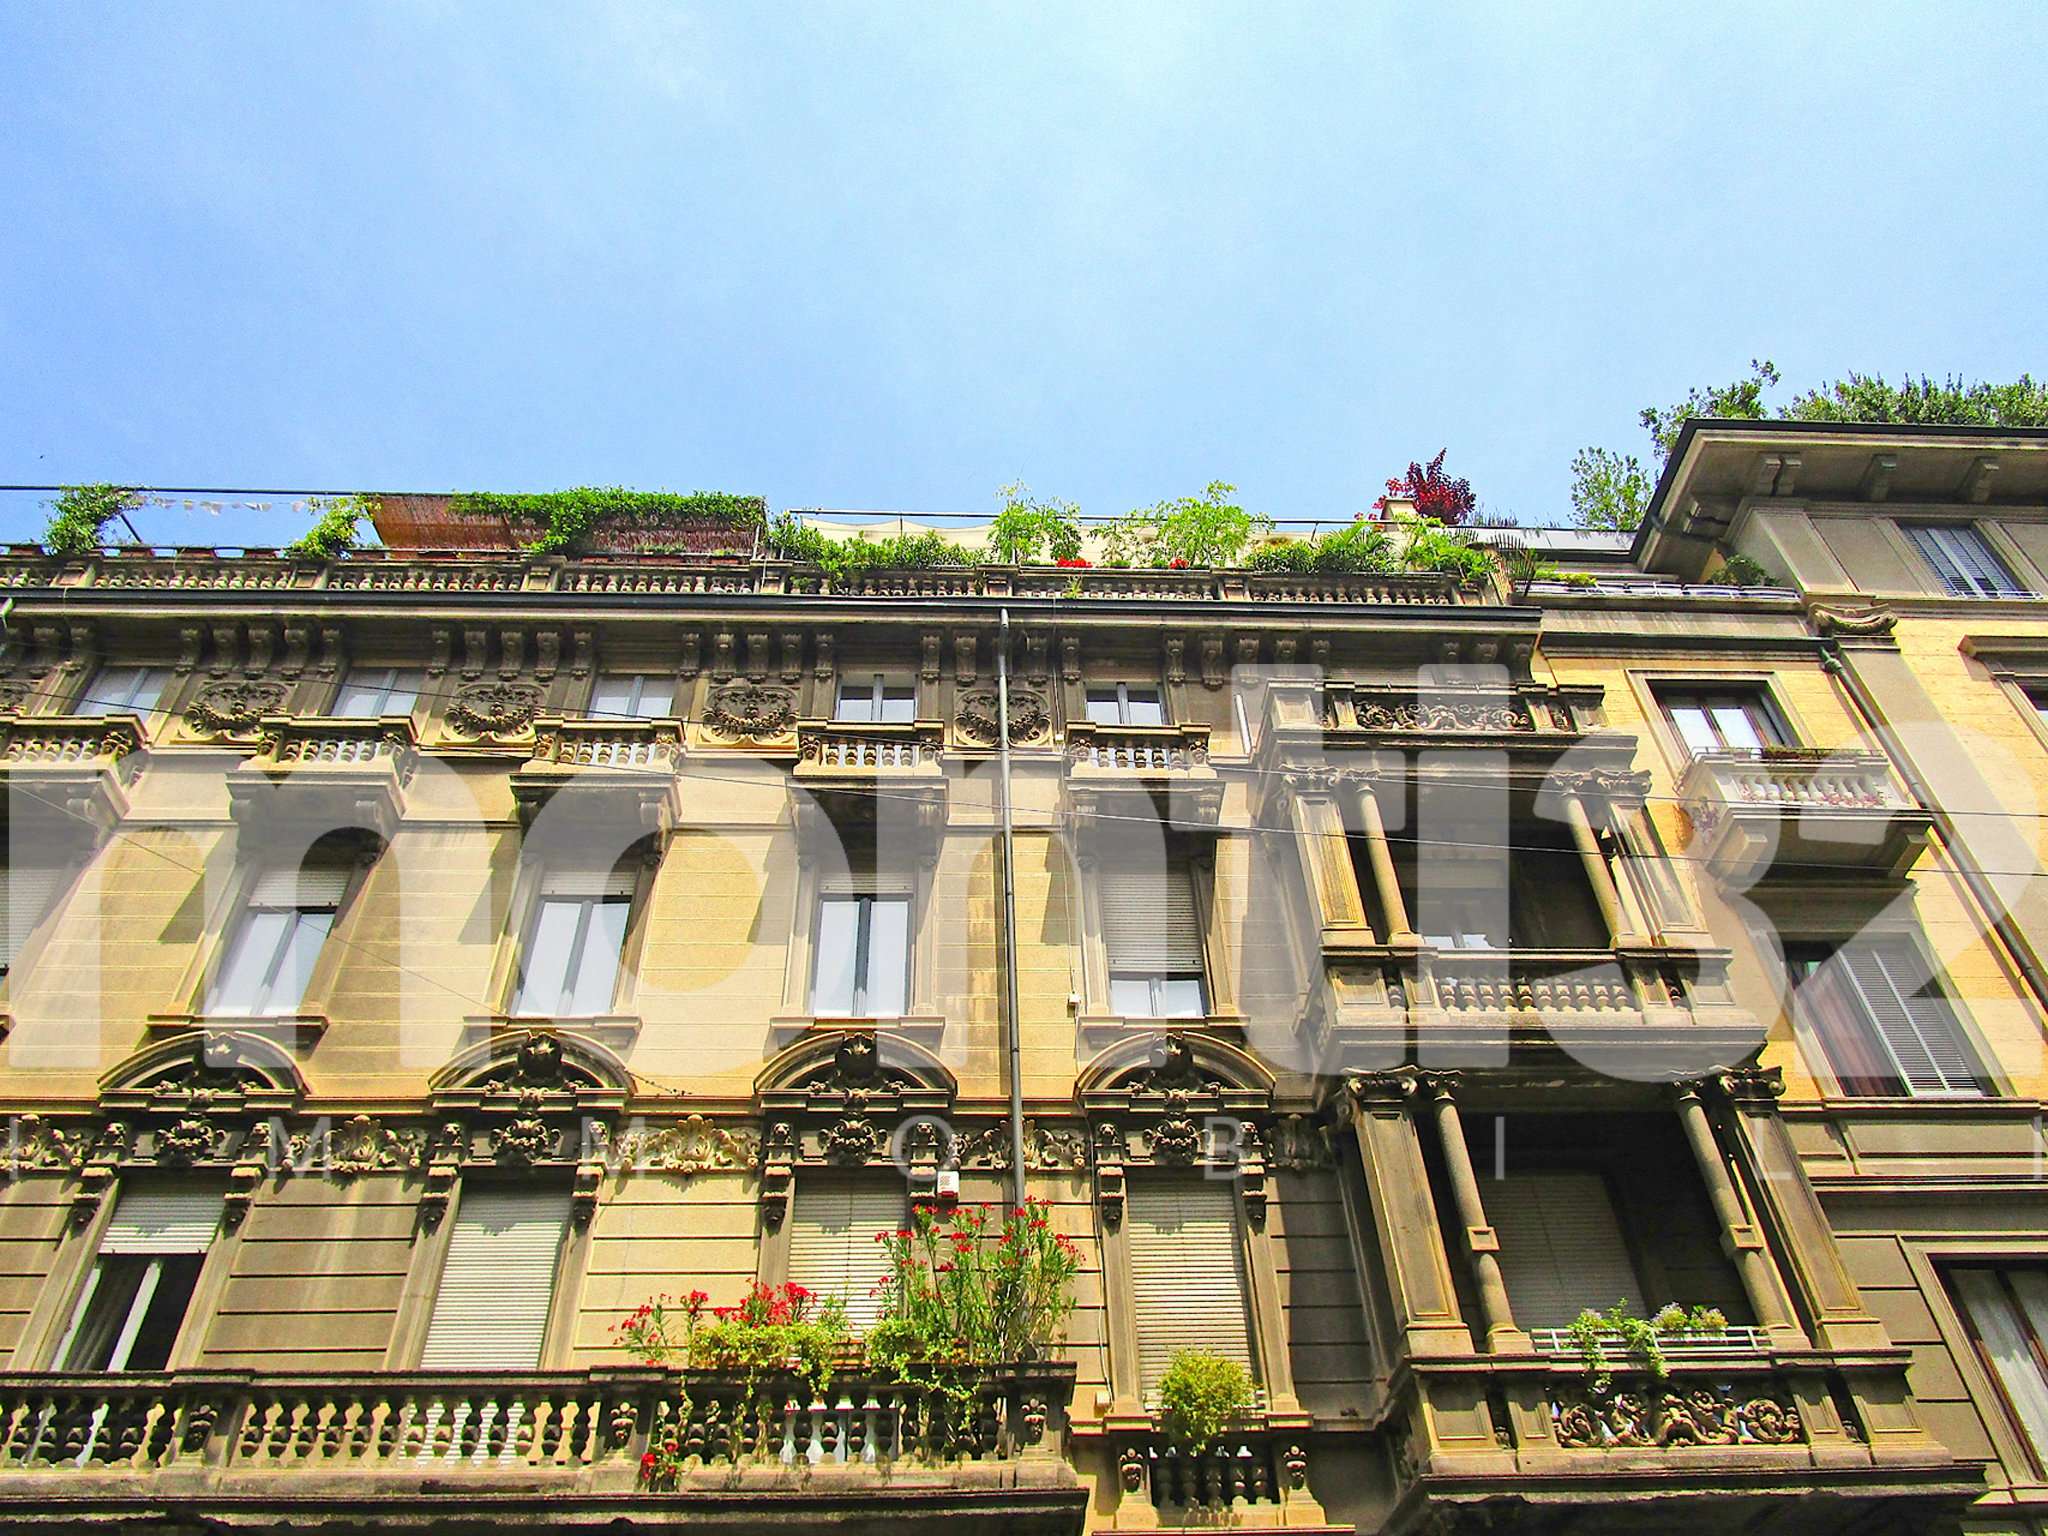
1740,1239
1325,853
1605,893
1385,880
1411,1248
1482,1247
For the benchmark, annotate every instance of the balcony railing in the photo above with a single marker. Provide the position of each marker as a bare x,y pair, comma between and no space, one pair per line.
1521,981
648,746
414,1426
1799,807
313,743
67,741
1138,749
77,768
839,748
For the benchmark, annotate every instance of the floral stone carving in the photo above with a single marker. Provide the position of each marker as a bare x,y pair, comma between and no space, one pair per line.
233,709
978,717
751,711
494,709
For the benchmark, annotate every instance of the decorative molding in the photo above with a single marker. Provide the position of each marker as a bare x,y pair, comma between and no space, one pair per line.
691,1145
1451,713
1853,623
751,711
357,1146
233,708
977,716
494,710
1047,1149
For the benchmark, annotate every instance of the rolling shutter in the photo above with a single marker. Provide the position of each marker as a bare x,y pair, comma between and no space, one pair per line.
1561,1247
1187,1284
832,1247
1912,1019
1149,921
180,1220
497,1287
312,885
614,884
26,891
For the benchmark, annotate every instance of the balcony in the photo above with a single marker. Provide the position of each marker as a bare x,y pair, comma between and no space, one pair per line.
1255,1474
67,769
326,774
855,753
1167,765
1736,1438
1795,809
617,773
542,1450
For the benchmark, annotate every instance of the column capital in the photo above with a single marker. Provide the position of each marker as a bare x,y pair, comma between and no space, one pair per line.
1394,1089
1317,780
1441,1086
1606,786
1752,1086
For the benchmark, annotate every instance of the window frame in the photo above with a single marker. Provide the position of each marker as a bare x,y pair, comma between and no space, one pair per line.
1754,702
633,711
89,702
860,979
1819,951
1158,979
50,1332
529,932
1122,690
882,689
392,676
1927,540
214,1005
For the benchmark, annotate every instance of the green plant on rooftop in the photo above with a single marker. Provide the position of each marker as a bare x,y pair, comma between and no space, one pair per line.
1448,499
1028,528
334,530
1206,530
842,559
1443,551
1612,490
1357,548
568,520
80,514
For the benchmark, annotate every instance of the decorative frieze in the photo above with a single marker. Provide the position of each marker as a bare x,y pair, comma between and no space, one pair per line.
234,709
750,711
494,711
977,717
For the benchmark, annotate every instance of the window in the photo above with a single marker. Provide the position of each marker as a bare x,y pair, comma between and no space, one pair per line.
1126,704
134,1304
569,967
633,696
1724,720
1187,1275
861,967
26,891
1882,1020
832,1247
374,692
124,691
1152,929
876,699
270,959
1561,1246
2006,1312
498,1283
1964,560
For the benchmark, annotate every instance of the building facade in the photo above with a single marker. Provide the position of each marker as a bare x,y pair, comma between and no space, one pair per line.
418,960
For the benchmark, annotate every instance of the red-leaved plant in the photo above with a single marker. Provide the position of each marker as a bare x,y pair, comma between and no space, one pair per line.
1434,493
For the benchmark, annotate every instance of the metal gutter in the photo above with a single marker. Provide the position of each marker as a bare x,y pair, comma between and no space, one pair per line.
1013,1026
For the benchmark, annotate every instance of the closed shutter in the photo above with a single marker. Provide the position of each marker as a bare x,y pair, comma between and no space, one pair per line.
832,1247
1911,1018
312,885
491,1313
26,891
1966,563
1561,1247
1187,1281
175,1220
1149,921
615,883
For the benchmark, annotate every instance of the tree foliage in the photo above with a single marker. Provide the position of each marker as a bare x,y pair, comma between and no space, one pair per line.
1609,490
335,529
1028,527
80,514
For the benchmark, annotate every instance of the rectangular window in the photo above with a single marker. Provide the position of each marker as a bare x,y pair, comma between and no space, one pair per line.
26,891
876,699
374,692
136,1299
276,944
861,966
1561,1246
1126,704
832,1247
1151,926
569,967
2006,1312
633,696
498,1284
1724,720
1964,560
123,691
1187,1273
1883,1021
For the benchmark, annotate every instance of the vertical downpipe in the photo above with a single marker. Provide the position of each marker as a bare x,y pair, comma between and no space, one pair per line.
1012,1024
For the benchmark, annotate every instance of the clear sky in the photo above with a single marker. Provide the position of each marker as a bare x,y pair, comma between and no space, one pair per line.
893,256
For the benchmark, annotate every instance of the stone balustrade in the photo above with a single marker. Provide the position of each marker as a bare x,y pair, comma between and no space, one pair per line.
1138,749
1247,1473
67,741
1800,808
316,742
652,746
845,747
1521,981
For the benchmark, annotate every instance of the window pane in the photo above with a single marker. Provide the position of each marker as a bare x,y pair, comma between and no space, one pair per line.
597,968
1737,728
2002,1334
545,968
1145,707
243,979
888,957
1180,997
657,698
613,696
156,1333
832,971
361,699
302,949
856,703
1131,996
899,704
1694,728
122,691
1103,707
115,1283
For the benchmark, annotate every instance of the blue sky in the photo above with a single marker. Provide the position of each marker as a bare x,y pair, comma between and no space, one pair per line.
893,256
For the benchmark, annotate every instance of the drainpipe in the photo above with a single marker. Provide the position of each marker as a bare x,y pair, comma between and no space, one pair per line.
1013,1024
1844,670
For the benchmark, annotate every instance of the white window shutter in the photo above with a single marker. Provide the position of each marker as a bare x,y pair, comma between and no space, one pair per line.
1561,1247
832,1247
1187,1278
164,1220
1149,916
311,885
1912,1020
497,1287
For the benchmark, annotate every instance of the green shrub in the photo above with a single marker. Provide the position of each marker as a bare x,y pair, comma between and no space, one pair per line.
335,530
1199,1395
841,559
1282,557
1028,527
1352,550
80,514
569,518
1434,548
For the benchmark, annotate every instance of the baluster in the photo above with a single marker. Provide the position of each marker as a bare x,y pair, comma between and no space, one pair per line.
815,1451
789,1413
869,1410
842,1417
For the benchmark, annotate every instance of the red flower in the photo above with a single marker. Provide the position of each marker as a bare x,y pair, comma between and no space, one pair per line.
1177,563
1074,563
1434,493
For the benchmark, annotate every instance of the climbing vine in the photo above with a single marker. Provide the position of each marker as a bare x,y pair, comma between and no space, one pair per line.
568,519
80,514
334,531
